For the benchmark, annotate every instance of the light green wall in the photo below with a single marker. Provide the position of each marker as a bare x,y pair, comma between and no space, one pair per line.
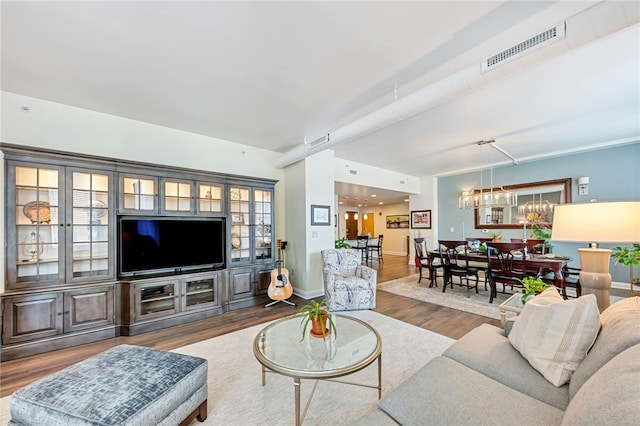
614,176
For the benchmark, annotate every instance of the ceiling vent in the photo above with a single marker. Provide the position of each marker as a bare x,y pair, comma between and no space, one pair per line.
321,140
544,38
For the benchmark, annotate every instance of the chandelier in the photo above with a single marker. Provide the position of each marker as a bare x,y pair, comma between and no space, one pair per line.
536,210
491,197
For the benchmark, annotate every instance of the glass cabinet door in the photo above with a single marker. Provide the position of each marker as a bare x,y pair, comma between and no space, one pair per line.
36,249
138,194
90,225
177,196
239,204
198,291
156,299
262,218
209,198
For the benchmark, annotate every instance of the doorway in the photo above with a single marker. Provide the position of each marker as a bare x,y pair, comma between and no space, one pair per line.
351,226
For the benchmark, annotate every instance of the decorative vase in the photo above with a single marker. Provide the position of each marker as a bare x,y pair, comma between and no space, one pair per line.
318,324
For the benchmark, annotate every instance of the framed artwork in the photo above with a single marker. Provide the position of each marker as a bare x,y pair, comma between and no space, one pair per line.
320,215
398,221
236,219
421,219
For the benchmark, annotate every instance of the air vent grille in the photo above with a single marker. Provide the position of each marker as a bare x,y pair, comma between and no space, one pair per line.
519,49
321,140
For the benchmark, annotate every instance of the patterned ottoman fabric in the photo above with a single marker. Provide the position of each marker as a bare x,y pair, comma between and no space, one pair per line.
126,385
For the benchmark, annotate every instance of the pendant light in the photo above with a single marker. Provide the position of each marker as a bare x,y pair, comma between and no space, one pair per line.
487,198
365,216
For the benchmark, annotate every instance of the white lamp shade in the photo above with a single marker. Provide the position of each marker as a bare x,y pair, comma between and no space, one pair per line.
612,222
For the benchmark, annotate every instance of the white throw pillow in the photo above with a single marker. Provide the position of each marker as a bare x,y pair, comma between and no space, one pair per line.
554,335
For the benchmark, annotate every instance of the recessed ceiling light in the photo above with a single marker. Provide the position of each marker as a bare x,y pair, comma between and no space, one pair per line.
380,202
373,195
406,200
340,202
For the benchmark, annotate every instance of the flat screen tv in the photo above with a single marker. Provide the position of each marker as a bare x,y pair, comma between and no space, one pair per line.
157,245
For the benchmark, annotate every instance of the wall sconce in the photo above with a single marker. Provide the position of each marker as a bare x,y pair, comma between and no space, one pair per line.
583,185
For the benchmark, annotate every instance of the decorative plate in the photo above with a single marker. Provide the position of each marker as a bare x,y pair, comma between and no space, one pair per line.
99,208
236,241
37,211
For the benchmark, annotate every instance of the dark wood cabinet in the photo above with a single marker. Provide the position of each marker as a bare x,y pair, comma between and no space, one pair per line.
61,224
154,303
38,322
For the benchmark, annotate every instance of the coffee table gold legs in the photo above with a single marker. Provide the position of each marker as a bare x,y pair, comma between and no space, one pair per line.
264,375
380,376
296,387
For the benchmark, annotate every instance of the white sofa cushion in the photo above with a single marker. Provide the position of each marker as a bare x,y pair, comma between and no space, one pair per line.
554,335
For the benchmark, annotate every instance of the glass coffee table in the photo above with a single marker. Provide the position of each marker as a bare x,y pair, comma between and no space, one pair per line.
512,304
279,349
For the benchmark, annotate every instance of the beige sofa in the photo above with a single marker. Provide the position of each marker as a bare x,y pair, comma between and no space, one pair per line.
483,380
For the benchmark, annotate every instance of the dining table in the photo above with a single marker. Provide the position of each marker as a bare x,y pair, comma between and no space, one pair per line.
544,262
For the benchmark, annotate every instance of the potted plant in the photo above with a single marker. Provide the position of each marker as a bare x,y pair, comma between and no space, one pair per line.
342,243
532,286
628,256
317,313
541,234
497,236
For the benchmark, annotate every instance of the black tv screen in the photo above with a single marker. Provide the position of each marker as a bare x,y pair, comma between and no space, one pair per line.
150,245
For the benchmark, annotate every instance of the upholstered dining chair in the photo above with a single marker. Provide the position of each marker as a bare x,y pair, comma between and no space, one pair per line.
422,261
348,285
507,264
454,256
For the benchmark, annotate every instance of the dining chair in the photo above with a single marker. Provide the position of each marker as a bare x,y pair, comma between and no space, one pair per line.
422,258
533,245
571,279
362,244
507,264
454,256
377,249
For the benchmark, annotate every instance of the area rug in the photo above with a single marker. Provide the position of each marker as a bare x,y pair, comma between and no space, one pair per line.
456,298
237,397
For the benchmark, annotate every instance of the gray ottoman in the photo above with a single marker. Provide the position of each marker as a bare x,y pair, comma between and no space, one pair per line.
126,385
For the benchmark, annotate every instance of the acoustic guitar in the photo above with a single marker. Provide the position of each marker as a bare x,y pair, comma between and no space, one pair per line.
280,287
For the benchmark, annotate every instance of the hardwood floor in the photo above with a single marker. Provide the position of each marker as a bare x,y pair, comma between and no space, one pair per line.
449,322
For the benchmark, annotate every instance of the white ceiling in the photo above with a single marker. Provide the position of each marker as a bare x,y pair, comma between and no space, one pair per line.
269,74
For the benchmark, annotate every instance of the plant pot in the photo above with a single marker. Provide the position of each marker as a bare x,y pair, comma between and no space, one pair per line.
497,240
318,324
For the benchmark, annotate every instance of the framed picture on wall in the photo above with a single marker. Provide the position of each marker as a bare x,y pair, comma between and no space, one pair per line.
320,215
398,221
421,219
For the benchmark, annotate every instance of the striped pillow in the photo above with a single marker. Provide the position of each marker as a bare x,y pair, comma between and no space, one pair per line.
554,335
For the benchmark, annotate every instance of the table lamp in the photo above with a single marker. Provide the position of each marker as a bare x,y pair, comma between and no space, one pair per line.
610,222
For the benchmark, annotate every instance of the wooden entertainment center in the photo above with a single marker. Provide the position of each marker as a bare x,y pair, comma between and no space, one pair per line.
63,282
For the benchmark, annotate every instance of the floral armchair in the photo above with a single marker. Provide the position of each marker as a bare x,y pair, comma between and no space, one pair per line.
348,285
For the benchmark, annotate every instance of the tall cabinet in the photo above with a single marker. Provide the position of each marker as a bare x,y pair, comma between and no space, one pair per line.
252,246
60,254
62,212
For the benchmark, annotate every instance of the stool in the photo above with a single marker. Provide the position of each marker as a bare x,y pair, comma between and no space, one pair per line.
125,385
